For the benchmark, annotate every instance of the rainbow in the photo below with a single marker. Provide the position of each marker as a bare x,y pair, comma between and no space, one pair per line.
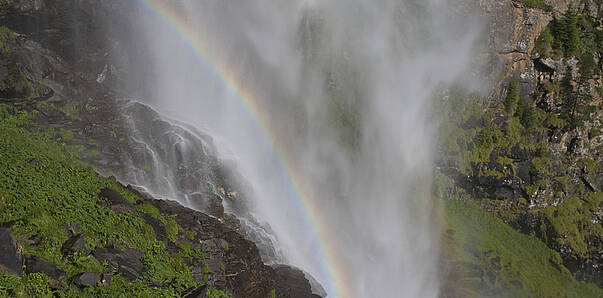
337,284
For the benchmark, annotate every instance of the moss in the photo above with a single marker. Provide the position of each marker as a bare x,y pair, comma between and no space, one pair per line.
542,165
571,221
6,36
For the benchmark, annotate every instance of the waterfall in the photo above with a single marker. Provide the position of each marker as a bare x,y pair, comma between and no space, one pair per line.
323,108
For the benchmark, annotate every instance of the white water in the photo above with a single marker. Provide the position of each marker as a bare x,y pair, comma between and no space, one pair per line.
378,63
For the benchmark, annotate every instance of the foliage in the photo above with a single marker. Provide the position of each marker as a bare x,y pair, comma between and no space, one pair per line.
512,99
213,293
497,261
42,187
6,36
572,35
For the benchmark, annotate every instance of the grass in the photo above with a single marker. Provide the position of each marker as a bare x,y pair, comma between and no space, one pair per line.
43,187
501,262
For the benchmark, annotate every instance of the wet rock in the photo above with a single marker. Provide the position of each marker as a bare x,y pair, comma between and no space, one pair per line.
87,279
11,259
315,286
157,225
291,282
74,244
126,262
210,204
34,264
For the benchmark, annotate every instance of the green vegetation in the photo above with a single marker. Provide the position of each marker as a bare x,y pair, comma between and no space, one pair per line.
43,187
571,223
496,261
6,36
573,35
512,99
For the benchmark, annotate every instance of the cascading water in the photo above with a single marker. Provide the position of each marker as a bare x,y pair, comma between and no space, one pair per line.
324,107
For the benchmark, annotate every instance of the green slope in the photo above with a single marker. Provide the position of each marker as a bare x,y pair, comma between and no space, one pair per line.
492,259
43,187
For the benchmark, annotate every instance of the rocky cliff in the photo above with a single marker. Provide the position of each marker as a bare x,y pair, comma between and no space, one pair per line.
55,64
531,152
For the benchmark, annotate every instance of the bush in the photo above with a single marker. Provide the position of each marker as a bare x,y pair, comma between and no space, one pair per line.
512,99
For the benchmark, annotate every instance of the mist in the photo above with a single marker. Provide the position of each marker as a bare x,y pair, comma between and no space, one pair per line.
345,90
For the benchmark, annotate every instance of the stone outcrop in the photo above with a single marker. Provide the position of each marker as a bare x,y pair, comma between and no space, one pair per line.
10,254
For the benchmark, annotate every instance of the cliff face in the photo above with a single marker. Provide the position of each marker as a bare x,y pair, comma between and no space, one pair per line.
532,154
513,28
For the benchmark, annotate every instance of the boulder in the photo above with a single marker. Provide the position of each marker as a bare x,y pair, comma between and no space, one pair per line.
11,259
75,243
87,279
34,264
157,225
126,262
291,282
114,197
117,202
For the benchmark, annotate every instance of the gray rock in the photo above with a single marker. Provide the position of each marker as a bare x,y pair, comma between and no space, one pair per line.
75,243
34,264
125,262
106,279
114,197
157,225
11,259
117,202
87,279
292,282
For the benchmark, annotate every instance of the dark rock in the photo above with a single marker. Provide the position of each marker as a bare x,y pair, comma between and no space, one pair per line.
73,229
210,204
523,171
114,197
315,286
33,162
157,225
291,282
87,279
106,279
11,259
199,292
126,262
75,243
34,264
117,202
